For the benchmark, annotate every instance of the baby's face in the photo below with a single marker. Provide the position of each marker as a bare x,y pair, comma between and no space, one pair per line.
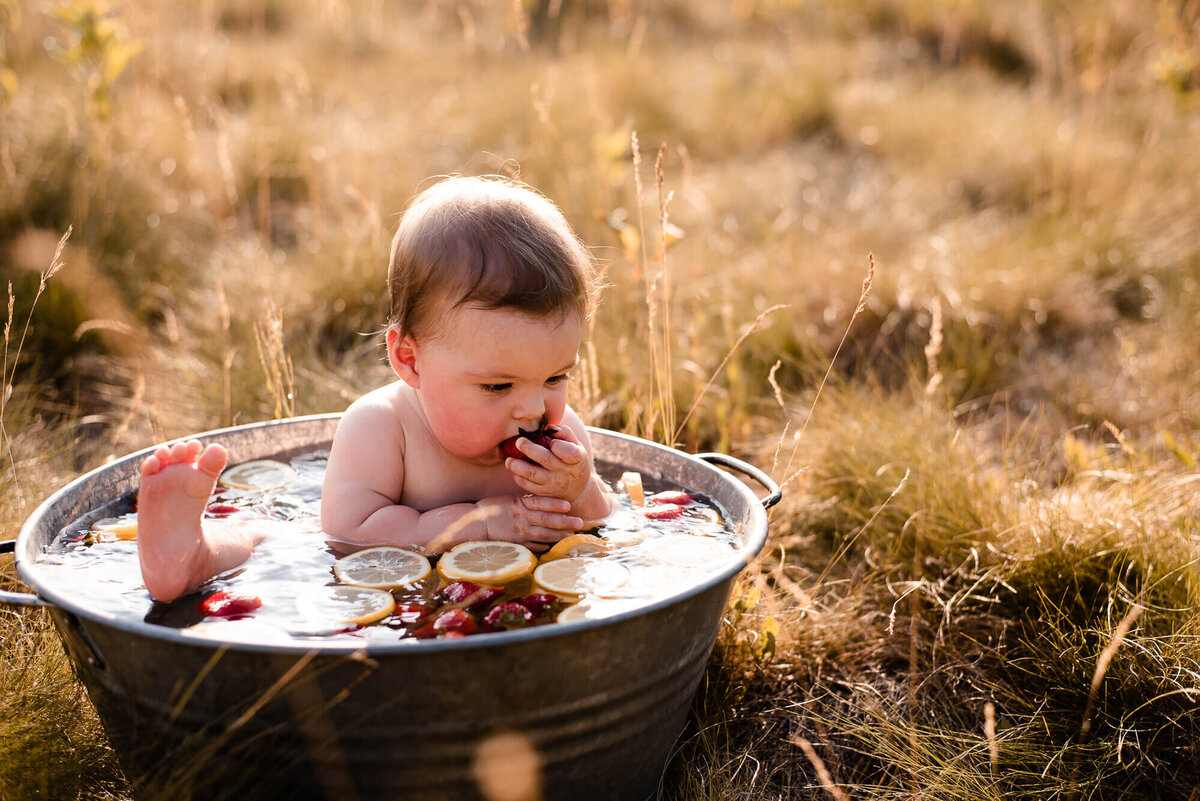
492,372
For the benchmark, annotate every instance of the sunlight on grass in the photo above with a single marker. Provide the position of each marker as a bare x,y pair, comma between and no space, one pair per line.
982,581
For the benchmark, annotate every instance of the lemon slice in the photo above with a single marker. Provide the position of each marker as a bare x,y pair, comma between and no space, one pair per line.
260,474
597,608
631,482
575,545
345,605
115,528
580,575
486,562
382,568
686,550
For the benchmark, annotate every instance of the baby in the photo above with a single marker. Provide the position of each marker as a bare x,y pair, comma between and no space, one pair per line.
490,290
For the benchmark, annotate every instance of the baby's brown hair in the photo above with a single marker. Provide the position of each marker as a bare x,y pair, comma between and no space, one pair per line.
493,242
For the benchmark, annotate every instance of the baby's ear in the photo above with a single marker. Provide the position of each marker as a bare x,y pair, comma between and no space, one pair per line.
402,355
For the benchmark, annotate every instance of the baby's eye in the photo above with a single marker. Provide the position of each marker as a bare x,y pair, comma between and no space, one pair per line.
558,379
495,389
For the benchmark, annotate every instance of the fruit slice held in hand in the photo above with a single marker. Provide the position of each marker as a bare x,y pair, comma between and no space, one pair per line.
543,436
384,567
223,603
486,562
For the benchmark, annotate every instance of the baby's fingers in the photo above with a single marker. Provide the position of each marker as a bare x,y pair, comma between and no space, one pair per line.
569,452
541,503
550,521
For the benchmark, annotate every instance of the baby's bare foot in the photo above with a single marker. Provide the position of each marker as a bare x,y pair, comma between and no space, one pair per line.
177,483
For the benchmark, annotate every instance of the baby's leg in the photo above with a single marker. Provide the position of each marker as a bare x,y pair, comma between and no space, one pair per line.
175,552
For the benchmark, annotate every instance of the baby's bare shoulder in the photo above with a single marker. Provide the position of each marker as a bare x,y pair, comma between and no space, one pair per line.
379,414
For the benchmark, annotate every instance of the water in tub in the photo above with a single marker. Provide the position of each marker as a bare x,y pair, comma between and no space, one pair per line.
661,540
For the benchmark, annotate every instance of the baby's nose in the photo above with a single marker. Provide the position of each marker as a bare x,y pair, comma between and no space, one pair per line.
530,411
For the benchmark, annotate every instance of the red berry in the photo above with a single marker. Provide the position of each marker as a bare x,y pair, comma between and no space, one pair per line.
541,436
459,620
220,510
469,594
679,498
506,616
225,604
411,613
665,512
538,602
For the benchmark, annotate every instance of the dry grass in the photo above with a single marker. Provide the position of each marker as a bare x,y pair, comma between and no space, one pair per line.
991,456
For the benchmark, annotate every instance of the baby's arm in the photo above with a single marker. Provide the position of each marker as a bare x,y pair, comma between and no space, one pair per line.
565,470
365,476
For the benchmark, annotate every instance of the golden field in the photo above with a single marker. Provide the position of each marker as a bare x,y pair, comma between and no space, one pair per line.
935,264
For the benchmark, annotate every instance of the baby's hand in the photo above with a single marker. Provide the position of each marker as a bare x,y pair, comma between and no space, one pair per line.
561,471
529,519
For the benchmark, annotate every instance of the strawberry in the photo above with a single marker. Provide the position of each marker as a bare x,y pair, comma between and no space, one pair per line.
468,594
507,616
225,604
543,436
220,510
538,602
412,613
679,498
456,623
665,512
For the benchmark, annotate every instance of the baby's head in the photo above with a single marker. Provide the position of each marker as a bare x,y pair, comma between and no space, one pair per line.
491,243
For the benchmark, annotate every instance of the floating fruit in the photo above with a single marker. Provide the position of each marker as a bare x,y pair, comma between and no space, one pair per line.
538,602
668,511
677,497
508,616
383,567
597,608
115,528
342,604
631,482
486,562
412,613
259,474
580,575
468,594
575,545
223,603
454,623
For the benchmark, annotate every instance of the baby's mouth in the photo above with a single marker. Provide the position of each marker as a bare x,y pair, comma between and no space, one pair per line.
542,435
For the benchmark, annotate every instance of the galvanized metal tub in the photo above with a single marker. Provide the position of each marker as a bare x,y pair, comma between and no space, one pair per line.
598,703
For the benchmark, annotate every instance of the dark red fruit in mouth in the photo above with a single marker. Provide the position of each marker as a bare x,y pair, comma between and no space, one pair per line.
542,436
225,604
507,616
469,594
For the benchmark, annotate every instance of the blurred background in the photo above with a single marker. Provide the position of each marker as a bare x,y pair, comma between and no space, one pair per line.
196,202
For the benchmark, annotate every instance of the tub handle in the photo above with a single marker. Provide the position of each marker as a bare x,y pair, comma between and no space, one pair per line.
17,598
775,494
